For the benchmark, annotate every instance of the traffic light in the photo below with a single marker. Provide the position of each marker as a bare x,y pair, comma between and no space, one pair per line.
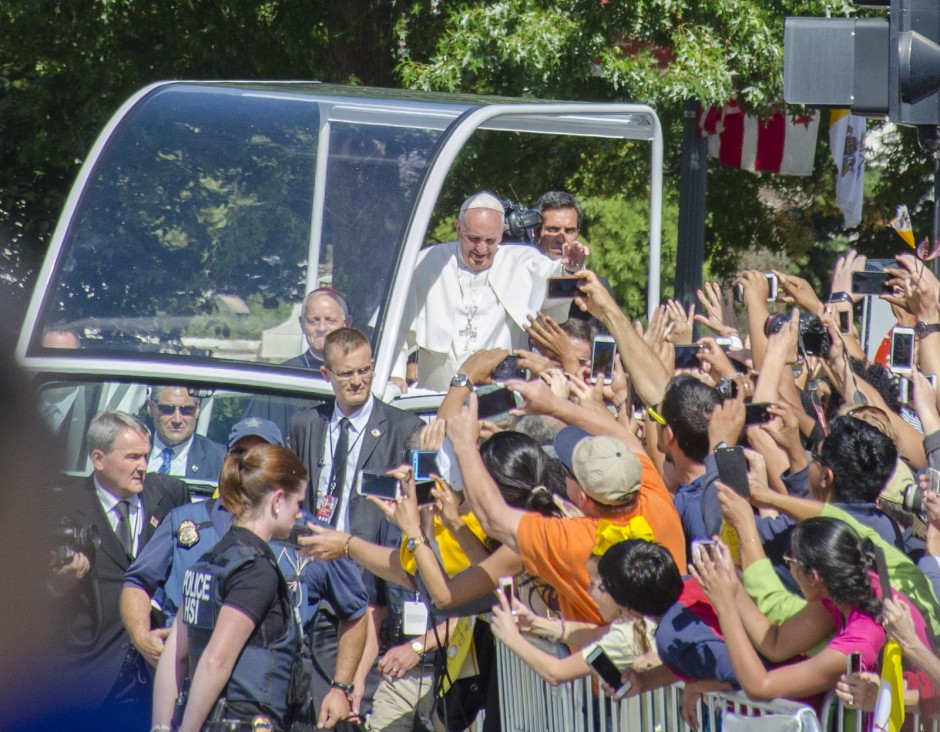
875,66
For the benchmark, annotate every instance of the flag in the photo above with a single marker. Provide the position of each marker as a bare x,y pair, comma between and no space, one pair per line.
779,144
889,709
846,135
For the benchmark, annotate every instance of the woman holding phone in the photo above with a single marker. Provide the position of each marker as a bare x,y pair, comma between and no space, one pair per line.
834,570
236,635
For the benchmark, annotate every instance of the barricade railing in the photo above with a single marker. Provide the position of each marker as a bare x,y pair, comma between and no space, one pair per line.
528,703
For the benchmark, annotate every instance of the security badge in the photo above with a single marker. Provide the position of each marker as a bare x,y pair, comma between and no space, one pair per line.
326,506
188,534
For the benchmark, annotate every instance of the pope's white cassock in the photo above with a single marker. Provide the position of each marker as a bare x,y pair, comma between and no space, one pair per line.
453,311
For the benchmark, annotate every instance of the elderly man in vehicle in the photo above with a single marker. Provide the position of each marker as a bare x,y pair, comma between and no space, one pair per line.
323,311
472,294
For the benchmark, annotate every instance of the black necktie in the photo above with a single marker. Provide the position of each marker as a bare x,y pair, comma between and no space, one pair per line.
123,528
338,470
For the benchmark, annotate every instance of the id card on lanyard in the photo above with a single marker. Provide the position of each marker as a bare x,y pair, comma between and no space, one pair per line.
326,506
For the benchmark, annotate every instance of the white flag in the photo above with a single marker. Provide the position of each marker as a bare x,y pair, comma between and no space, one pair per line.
846,136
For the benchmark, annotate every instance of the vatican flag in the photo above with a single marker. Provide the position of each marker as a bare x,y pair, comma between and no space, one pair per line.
846,136
889,709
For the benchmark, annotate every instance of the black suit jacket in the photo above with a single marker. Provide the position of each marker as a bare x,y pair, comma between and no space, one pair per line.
383,446
94,640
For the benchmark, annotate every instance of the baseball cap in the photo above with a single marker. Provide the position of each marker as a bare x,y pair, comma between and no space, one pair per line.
606,468
257,427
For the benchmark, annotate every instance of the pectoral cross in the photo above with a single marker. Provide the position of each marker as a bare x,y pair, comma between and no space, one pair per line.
468,334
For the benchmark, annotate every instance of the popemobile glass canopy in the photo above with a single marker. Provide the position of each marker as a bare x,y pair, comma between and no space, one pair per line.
206,210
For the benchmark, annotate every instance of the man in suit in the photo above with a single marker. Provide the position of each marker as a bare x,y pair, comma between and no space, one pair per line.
336,440
124,506
177,449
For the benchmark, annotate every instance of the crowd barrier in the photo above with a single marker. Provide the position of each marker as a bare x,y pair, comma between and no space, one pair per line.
528,703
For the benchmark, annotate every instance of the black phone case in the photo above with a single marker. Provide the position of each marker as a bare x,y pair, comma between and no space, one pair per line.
732,469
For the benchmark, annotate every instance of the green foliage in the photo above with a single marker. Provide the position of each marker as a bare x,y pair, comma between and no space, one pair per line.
617,232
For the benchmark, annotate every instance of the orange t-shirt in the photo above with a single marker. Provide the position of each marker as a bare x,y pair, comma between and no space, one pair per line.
557,549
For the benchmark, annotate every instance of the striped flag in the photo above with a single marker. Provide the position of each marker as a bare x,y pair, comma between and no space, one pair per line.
779,144
846,136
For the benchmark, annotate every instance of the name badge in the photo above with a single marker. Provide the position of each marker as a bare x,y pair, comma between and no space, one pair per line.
326,507
415,618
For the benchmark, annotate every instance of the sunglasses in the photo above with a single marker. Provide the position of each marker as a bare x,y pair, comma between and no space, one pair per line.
167,410
656,416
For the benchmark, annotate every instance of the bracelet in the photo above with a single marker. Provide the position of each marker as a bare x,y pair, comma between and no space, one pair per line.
840,297
346,546
749,541
561,630
161,728
620,403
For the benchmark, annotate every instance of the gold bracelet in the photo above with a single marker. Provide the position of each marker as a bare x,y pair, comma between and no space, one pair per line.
346,546
750,541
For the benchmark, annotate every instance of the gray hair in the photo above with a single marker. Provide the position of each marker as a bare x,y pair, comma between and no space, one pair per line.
329,292
559,199
154,390
541,428
104,428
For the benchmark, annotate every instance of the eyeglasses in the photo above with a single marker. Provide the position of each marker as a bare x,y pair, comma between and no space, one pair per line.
816,454
789,559
656,416
167,410
363,373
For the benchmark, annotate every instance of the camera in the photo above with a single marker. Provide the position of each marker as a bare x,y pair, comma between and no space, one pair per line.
521,222
816,340
72,538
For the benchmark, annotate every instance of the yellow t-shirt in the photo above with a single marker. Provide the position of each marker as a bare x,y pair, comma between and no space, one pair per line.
455,561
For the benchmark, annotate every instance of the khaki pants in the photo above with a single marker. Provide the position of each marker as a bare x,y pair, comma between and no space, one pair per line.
396,703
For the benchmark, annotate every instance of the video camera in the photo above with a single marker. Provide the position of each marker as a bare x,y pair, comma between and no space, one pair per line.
521,222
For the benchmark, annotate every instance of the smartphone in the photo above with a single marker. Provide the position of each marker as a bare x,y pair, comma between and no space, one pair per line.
739,293
845,322
853,664
378,484
603,353
700,547
507,587
423,463
495,405
724,343
904,390
901,357
732,469
509,368
773,285
870,283
881,565
423,492
559,288
757,413
687,356
933,480
606,671
296,531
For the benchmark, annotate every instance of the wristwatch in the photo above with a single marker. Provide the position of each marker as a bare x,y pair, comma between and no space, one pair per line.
922,329
415,541
347,689
417,646
461,380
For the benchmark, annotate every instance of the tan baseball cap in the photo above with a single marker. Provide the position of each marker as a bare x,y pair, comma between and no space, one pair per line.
605,467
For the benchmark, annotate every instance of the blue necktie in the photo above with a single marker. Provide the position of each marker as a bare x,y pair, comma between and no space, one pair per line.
167,459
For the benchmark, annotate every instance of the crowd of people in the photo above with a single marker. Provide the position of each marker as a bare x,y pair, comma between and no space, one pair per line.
748,509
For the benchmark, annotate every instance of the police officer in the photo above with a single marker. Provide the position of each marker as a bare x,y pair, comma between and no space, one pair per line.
236,635
156,577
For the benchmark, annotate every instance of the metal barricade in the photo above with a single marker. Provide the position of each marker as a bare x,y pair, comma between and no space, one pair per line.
528,703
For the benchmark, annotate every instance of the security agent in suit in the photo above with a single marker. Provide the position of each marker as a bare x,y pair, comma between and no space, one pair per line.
336,441
125,506
177,449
